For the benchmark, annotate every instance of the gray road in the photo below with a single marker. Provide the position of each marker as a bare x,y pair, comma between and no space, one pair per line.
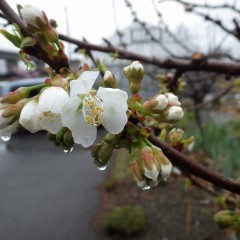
46,194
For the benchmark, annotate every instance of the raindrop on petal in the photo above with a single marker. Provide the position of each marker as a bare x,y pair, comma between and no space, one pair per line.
6,138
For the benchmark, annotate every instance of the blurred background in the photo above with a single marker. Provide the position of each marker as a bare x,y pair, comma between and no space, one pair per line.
51,195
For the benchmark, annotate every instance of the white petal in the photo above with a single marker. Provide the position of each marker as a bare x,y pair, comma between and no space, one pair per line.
49,108
152,174
84,83
115,107
28,117
165,171
82,132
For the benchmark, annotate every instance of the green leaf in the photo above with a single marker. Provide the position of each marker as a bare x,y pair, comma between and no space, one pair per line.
15,40
28,42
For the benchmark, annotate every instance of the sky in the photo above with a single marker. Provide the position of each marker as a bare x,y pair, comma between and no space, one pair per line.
94,19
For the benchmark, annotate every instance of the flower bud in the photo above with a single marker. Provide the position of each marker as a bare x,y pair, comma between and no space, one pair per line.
172,99
173,114
134,73
156,104
148,163
163,163
101,153
166,170
176,138
137,174
30,15
109,80
14,97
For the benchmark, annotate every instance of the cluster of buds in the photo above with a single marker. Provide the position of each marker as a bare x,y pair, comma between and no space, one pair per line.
164,108
103,151
178,140
11,105
62,139
149,166
37,22
169,84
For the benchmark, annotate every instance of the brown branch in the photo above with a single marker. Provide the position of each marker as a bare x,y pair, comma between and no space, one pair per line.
183,65
207,6
214,99
35,50
188,165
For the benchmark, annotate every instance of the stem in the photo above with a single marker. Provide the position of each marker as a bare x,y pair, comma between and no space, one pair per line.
190,166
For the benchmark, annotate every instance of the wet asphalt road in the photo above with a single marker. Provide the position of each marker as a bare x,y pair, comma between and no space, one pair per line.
46,194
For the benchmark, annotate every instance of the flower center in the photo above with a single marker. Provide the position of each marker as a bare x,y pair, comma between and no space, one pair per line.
93,110
48,114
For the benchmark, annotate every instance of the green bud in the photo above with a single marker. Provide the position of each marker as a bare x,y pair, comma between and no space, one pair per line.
134,73
109,80
14,97
101,153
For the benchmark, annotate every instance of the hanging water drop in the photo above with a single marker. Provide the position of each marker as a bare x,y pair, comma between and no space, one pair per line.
6,138
102,167
68,150
146,187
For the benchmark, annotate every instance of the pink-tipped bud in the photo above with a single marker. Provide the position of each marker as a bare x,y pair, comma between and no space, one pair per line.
148,163
173,114
176,135
172,99
156,104
14,97
109,80
137,174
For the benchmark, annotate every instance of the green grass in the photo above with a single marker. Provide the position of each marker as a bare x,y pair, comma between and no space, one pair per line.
221,145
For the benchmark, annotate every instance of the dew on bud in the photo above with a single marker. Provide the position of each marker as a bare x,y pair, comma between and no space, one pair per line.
6,138
68,150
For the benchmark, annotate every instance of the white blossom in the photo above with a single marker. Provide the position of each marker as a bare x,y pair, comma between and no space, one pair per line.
85,109
49,108
28,117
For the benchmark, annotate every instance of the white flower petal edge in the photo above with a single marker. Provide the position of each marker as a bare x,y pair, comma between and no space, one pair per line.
49,108
82,132
28,117
115,107
84,83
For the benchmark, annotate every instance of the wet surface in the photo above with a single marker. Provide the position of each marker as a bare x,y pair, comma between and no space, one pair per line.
46,194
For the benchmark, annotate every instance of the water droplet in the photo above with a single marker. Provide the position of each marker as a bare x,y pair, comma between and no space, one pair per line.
6,138
68,150
102,167
146,187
